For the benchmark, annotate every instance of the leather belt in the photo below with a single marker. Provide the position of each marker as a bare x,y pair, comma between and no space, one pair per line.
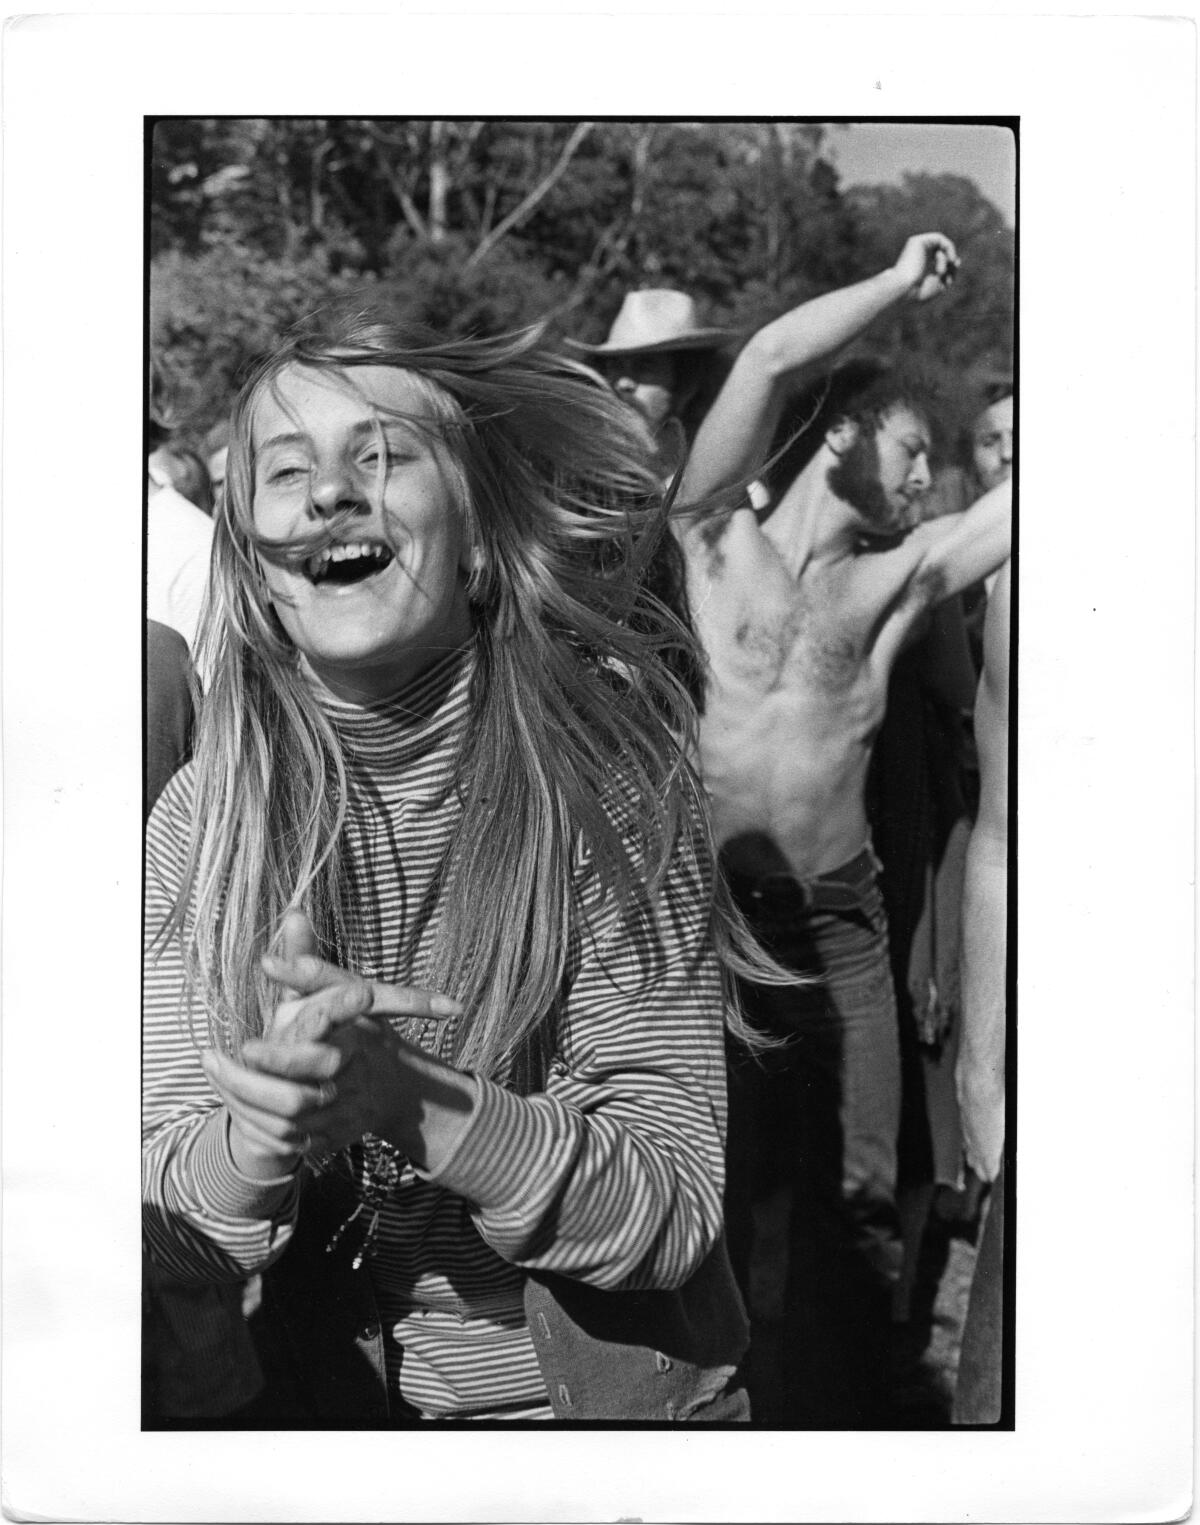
841,889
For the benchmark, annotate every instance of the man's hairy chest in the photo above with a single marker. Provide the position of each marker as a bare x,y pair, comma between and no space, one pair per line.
772,622
779,632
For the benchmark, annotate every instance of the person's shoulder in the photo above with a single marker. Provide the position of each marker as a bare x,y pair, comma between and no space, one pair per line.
710,523
727,549
170,512
172,811
167,655
168,838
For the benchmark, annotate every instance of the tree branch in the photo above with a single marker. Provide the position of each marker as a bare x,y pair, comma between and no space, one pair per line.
615,240
407,205
522,210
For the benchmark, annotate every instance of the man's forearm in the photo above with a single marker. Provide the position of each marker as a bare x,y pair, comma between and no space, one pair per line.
736,434
815,330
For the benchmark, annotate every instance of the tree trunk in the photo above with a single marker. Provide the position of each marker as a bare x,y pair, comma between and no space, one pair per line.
439,182
316,200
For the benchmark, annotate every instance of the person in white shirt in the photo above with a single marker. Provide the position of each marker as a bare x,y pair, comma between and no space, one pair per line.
178,550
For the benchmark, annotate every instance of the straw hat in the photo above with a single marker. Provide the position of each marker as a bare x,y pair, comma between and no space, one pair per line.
656,321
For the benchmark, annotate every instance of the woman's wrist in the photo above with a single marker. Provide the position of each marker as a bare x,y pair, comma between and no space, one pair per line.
257,1162
438,1104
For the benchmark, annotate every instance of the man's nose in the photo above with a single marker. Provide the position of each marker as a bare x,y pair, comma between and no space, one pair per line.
625,386
1006,444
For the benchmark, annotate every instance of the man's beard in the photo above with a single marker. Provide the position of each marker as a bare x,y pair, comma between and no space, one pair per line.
855,479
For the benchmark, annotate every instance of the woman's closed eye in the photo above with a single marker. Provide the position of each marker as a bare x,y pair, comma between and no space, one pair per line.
392,455
281,476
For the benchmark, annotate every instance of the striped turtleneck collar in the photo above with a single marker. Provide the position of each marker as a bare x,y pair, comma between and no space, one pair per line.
423,721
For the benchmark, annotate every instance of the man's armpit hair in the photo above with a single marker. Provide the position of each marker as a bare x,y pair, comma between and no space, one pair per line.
929,586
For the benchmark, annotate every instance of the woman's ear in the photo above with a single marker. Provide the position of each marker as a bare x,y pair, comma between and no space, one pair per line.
472,565
841,435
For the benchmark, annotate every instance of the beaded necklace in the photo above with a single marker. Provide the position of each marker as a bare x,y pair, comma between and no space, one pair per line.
373,1163
375,1181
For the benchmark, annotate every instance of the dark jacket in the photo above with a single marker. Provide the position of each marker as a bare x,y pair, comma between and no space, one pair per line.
618,1356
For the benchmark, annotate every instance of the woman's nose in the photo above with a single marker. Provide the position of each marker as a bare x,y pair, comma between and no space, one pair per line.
335,490
1006,444
920,476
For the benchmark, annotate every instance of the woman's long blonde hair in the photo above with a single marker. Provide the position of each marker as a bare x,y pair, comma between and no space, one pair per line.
578,731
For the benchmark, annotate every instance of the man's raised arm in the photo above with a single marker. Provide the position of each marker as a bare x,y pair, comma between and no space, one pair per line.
735,435
960,549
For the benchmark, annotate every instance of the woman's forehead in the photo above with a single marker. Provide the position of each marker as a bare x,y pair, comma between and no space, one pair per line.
303,398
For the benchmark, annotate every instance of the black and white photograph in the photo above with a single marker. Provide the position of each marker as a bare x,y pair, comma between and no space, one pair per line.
604,757
574,550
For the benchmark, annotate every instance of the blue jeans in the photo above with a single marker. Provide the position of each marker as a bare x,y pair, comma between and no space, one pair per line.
822,1116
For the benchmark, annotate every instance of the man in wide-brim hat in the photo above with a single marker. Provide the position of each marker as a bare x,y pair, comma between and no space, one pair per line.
660,359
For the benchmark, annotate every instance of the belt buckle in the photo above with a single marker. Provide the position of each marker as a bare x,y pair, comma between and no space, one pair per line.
777,886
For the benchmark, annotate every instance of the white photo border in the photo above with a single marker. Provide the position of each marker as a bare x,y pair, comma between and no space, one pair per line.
1106,775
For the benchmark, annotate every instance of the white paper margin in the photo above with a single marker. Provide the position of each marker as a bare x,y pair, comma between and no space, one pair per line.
1105,1302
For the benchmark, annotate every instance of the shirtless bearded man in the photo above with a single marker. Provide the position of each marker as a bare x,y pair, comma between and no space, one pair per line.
801,615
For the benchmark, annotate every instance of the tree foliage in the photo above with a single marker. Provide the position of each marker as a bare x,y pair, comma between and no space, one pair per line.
479,226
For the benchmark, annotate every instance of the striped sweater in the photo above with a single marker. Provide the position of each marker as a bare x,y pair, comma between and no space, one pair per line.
612,1175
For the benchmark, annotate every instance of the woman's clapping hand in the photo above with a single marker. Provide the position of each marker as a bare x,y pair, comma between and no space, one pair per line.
330,1068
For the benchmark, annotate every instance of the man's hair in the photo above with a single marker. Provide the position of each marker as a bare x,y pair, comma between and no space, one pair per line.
578,730
862,390
992,393
870,406
986,396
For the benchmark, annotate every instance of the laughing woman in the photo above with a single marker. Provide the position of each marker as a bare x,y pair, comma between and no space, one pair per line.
436,979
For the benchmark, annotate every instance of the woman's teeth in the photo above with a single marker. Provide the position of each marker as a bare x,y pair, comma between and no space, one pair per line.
347,562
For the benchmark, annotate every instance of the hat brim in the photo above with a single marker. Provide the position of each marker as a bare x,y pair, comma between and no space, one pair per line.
700,338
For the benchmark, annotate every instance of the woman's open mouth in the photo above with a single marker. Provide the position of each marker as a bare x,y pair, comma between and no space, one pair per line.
340,566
